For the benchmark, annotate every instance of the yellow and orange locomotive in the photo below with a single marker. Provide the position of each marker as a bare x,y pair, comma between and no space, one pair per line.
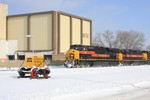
84,56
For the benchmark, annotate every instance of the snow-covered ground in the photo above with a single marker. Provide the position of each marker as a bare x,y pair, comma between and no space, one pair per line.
96,83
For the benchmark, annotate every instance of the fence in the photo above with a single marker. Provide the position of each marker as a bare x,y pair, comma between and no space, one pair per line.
15,63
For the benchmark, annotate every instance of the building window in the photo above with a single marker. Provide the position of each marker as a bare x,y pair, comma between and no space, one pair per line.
47,57
11,57
21,57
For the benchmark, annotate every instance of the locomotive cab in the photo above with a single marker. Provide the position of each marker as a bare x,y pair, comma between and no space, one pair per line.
76,54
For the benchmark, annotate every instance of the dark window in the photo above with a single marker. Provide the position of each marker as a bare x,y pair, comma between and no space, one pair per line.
21,57
77,47
47,57
84,48
11,57
90,48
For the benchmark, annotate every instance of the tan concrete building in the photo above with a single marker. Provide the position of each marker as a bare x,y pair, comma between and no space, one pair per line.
3,14
45,31
52,30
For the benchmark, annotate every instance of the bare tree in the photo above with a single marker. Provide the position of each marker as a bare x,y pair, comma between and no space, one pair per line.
108,38
104,39
137,40
134,40
98,40
148,48
123,40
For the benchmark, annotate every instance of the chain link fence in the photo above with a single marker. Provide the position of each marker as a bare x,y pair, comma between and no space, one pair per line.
16,63
10,63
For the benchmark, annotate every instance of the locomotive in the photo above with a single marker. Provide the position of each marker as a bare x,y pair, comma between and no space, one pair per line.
85,56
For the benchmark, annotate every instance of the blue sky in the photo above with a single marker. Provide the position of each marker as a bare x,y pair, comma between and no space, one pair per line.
111,15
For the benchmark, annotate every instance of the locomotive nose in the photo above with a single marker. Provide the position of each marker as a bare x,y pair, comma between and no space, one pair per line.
71,56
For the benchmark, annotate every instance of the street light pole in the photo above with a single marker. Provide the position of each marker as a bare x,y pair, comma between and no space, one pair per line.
29,36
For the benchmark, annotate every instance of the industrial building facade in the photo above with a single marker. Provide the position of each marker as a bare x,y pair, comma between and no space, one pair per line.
51,30
3,14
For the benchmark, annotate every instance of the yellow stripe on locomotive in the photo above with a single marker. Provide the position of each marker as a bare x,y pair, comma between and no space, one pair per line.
145,56
119,57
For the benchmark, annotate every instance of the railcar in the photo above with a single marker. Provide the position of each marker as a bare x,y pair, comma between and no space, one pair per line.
85,56
134,56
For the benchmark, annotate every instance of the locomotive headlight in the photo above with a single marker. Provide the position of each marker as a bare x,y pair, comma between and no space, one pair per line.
71,56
